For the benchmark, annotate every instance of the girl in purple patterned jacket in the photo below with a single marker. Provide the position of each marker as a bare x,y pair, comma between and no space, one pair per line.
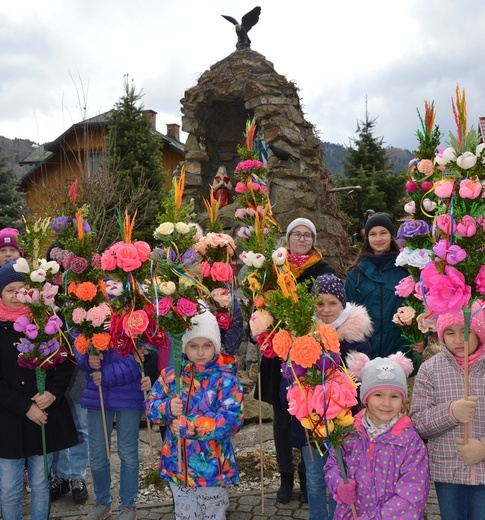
385,459
440,413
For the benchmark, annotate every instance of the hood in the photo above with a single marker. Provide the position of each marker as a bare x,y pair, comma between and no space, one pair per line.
357,327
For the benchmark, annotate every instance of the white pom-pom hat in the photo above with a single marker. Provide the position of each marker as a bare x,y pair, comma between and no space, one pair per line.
203,325
388,373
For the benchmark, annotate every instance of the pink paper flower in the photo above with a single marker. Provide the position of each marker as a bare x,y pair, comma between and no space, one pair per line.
443,189
426,185
448,292
108,259
222,296
78,315
221,272
480,280
405,287
453,254
127,257
260,321
467,227
49,292
470,189
425,166
411,186
299,402
187,307
143,250
135,322
25,295
240,188
164,306
96,315
446,223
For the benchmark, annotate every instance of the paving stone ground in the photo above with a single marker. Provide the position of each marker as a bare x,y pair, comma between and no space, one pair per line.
243,505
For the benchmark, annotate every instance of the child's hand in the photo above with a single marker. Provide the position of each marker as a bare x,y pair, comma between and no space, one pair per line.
176,426
96,378
146,384
176,406
95,361
45,400
472,452
36,415
346,493
464,409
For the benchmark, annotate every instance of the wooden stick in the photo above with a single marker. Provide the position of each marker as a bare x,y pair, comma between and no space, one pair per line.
466,379
103,417
261,459
149,431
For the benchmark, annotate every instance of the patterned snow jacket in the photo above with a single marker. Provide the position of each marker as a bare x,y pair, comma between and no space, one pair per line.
391,472
440,381
213,412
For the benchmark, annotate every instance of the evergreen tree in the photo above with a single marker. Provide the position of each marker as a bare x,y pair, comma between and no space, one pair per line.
131,176
11,200
368,166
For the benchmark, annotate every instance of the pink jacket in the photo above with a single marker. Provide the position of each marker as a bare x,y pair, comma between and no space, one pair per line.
440,381
391,473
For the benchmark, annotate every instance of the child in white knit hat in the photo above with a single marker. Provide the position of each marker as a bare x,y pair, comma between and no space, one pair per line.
205,415
439,411
385,459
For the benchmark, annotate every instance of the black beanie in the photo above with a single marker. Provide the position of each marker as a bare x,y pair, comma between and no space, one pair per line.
379,219
9,275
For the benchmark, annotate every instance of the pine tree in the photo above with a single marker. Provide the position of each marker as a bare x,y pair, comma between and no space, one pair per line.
11,200
131,176
368,166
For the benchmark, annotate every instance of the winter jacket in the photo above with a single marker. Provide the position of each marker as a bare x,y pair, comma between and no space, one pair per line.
440,381
120,382
213,412
19,436
374,287
353,334
391,473
270,369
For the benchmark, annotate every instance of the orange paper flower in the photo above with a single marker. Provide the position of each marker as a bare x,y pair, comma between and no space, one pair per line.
306,351
101,340
282,343
81,343
329,337
86,291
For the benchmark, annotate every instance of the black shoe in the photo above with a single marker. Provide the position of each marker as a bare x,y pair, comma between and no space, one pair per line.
79,490
59,486
284,493
303,491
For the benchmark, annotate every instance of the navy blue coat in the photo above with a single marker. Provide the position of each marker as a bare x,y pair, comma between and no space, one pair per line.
373,286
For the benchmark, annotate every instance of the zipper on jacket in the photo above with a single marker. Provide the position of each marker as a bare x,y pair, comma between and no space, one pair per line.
381,323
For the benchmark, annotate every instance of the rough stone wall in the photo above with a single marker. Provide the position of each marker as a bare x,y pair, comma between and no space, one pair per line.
245,85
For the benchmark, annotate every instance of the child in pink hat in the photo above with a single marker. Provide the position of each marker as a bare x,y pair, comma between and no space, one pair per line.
440,412
9,247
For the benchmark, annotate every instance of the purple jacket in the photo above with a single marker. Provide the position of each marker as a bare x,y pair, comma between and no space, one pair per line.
391,472
120,381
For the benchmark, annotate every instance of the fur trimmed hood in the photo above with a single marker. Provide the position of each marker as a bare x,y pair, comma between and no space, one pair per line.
358,325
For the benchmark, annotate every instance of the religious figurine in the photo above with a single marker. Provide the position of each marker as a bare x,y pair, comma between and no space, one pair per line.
222,185
248,20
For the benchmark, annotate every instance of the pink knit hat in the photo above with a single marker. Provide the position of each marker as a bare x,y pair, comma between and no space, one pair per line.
477,321
8,237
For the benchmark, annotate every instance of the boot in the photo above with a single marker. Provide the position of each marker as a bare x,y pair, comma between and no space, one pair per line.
304,495
283,494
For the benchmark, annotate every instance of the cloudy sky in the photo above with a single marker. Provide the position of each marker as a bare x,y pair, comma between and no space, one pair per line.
64,60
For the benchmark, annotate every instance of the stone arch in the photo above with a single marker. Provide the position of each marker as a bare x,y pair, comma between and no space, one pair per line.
242,86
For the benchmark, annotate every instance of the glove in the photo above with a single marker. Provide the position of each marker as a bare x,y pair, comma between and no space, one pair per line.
346,493
464,409
472,452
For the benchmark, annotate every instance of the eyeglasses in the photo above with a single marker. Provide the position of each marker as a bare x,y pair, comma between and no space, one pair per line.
297,236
